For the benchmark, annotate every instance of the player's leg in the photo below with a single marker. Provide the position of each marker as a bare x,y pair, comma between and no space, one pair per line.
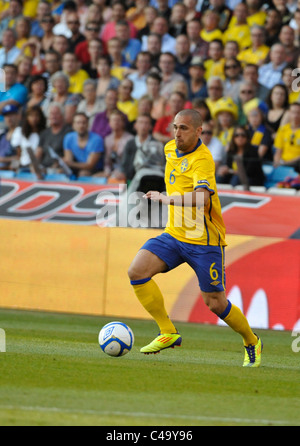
144,266
231,314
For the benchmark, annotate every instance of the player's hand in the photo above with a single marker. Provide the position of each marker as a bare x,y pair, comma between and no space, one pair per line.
156,196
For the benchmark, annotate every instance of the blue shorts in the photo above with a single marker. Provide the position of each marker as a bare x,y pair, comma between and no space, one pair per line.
206,261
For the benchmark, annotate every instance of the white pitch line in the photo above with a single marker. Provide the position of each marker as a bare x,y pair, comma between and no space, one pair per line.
257,421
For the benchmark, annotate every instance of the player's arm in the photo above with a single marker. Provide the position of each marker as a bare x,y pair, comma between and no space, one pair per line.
190,199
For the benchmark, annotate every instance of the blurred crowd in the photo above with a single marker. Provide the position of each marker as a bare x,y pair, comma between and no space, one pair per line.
90,88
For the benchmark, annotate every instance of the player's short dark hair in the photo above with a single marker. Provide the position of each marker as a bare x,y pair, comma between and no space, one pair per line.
194,115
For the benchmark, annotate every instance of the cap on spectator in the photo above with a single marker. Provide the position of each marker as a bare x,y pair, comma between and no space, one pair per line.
225,105
9,108
255,103
197,62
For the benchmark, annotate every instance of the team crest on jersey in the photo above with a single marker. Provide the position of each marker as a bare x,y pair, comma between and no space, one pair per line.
184,165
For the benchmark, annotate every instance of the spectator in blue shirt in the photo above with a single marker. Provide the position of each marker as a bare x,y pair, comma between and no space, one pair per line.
15,94
83,150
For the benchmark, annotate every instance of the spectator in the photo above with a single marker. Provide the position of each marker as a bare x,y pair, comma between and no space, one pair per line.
118,13
191,12
225,115
153,91
9,51
258,51
197,84
250,74
261,137
167,63
76,76
183,56
273,26
198,46
130,47
177,20
52,137
22,30
126,103
287,141
256,16
114,144
223,12
270,73
163,129
281,7
161,27
94,51
243,165
37,90
14,11
238,29
101,122
47,24
163,9
60,44
154,48
83,149
288,80
90,104
73,24
24,66
143,151
215,59
139,76
43,9
278,103
229,51
136,14
287,39
28,136
82,50
215,92
105,80
246,95
150,14
119,66
60,94
213,143
15,94
210,31
7,153
201,106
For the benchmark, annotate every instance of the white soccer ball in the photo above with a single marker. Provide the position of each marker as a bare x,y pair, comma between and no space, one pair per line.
116,339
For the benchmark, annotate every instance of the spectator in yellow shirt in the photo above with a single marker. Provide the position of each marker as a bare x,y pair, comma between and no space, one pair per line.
258,51
287,141
240,31
77,76
211,29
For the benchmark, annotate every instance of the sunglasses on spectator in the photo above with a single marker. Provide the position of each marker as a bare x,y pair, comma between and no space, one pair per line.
47,21
95,30
207,132
229,67
240,135
246,92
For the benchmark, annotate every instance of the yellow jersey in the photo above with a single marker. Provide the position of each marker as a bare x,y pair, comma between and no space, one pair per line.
186,172
288,141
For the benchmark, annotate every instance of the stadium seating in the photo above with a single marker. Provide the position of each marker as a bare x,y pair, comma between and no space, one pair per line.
276,174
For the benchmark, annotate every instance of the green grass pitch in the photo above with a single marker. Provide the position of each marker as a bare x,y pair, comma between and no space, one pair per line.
54,373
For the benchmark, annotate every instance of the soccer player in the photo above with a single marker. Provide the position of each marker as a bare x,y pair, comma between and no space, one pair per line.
190,184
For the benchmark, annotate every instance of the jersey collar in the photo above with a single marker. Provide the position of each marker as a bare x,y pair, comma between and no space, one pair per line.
179,155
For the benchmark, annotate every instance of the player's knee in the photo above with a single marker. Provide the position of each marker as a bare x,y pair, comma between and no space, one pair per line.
215,303
134,273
